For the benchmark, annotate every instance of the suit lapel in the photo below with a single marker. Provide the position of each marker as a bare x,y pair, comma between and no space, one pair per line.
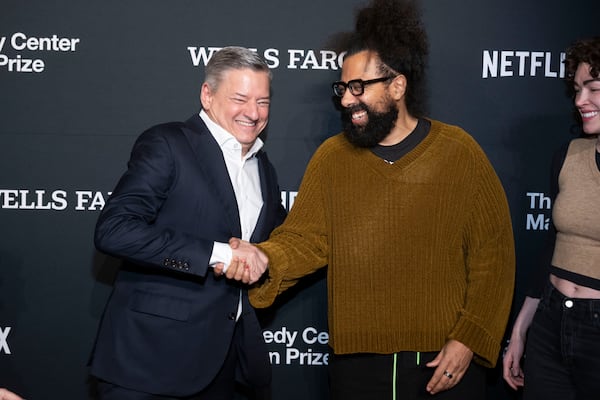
211,162
264,188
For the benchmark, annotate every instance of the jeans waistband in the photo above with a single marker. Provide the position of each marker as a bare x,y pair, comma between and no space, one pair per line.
583,308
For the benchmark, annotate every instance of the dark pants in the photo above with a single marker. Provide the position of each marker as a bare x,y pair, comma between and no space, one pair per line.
371,376
563,349
221,388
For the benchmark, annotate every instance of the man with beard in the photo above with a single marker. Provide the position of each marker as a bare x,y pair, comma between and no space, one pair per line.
413,223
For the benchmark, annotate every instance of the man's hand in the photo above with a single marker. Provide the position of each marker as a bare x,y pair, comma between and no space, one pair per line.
247,265
450,366
237,270
250,258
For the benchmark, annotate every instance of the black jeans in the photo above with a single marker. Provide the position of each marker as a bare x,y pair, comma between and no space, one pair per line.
563,349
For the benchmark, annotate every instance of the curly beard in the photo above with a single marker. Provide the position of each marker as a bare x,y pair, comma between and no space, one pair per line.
379,125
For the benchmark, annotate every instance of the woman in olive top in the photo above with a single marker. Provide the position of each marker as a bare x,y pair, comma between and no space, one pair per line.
561,318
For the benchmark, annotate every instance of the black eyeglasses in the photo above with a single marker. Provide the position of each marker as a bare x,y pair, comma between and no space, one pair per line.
356,86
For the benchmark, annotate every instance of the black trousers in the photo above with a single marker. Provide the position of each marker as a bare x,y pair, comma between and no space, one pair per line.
221,388
381,377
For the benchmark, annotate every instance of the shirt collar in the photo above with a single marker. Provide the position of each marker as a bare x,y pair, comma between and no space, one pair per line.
226,141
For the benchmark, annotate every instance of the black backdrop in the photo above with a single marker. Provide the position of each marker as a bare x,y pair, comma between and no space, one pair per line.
80,80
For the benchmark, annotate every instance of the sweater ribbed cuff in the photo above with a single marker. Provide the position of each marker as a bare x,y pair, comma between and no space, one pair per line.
484,346
263,294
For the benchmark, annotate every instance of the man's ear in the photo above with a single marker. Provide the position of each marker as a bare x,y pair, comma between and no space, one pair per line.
398,87
205,96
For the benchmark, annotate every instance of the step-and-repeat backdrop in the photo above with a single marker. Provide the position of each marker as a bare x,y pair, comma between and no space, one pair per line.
80,80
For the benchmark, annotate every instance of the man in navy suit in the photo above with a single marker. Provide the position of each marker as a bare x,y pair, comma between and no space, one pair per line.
173,329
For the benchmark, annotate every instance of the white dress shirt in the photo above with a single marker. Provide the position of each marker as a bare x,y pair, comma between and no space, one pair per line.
243,173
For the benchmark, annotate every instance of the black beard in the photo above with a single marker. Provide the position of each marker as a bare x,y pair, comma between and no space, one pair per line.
379,125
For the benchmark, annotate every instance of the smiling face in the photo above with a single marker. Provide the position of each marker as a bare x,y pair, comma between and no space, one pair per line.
239,104
587,98
363,65
369,117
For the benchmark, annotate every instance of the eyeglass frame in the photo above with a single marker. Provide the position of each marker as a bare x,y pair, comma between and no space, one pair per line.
348,85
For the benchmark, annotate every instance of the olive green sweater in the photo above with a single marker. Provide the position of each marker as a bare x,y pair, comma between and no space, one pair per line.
419,252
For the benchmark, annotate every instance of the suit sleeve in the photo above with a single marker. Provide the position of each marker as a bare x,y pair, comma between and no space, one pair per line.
129,227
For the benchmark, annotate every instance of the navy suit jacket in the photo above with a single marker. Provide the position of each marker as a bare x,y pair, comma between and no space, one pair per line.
169,322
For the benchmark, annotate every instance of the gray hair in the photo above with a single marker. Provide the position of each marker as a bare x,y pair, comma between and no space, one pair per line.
229,58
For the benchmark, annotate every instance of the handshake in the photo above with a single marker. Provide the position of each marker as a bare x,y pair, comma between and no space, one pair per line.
247,265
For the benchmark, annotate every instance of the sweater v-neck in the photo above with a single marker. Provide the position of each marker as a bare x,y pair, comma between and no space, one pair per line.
386,169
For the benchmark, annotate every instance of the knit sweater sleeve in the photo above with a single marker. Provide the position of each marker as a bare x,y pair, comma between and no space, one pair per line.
299,246
490,261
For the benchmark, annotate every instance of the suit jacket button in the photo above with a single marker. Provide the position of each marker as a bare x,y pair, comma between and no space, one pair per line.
231,316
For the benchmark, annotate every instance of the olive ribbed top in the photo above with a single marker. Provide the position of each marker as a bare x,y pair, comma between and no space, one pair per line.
575,211
419,252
